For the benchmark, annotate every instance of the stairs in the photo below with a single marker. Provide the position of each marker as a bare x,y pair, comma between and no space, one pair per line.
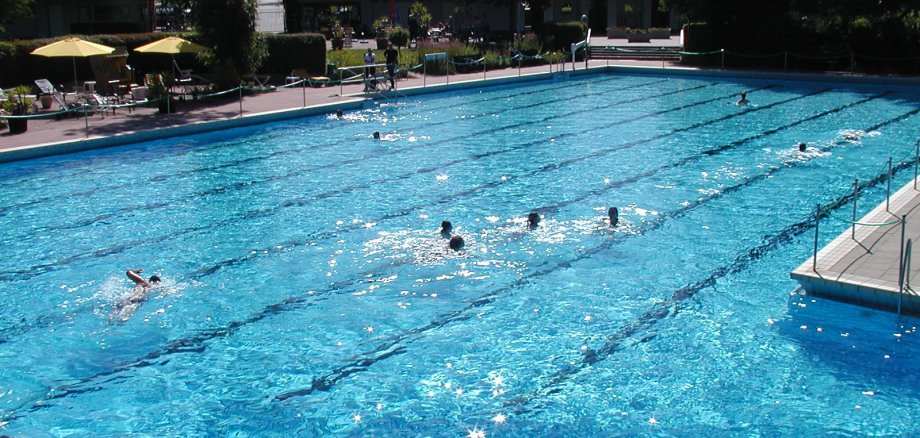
636,53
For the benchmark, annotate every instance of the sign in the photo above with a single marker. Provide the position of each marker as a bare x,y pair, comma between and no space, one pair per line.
435,56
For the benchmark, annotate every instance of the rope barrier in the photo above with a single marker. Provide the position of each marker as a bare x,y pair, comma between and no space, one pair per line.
743,55
825,212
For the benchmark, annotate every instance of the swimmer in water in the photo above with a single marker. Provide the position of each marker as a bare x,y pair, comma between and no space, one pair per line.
456,243
339,114
802,147
376,135
125,307
742,100
614,216
446,228
533,219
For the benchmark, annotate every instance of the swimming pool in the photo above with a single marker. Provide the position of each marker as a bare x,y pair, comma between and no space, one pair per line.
307,290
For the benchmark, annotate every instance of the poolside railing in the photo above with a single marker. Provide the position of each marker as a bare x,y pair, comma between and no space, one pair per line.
824,211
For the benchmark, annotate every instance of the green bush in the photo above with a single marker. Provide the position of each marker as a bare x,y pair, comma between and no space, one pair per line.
399,37
289,51
561,35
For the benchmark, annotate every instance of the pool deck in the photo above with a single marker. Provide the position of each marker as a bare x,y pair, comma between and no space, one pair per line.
865,270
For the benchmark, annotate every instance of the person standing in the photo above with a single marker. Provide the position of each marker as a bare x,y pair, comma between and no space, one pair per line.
369,70
392,57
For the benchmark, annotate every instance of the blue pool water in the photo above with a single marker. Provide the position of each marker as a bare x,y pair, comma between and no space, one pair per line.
308,292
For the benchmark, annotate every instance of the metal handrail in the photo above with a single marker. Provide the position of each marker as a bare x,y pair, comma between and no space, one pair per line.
904,274
579,45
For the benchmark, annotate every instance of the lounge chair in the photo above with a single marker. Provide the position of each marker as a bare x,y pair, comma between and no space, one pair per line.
47,87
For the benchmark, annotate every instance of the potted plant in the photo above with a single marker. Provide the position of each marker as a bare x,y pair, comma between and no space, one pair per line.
617,32
46,100
20,103
659,33
381,26
338,37
157,90
638,36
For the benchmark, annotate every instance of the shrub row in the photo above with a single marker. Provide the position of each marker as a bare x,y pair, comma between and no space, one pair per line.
17,66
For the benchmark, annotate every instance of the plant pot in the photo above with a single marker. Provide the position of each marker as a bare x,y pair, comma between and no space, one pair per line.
659,33
46,101
639,38
338,43
18,126
163,106
616,32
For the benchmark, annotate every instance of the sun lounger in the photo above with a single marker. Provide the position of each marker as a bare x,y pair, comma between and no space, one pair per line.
48,88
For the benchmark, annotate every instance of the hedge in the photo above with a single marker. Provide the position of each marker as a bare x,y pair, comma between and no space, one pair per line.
17,66
300,50
561,35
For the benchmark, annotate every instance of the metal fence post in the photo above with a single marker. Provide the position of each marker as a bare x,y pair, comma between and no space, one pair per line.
484,67
855,198
303,87
723,59
888,193
85,120
901,270
241,99
814,258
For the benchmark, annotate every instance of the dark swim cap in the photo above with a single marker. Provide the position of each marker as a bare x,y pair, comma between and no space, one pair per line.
154,279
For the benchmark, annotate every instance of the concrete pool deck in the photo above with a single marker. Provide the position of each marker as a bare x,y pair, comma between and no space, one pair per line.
865,270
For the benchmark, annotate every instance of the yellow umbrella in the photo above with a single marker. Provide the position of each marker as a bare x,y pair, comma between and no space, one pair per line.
171,46
74,48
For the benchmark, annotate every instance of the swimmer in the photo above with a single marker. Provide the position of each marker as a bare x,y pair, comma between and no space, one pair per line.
456,242
614,215
446,228
339,114
376,135
802,147
742,100
533,219
134,275
126,306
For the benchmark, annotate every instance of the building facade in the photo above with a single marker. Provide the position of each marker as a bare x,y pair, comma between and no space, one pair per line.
53,18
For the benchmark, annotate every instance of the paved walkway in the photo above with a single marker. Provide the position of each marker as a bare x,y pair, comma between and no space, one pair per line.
76,127
865,270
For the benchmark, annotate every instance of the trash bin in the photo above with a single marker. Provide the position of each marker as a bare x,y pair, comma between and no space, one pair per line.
330,70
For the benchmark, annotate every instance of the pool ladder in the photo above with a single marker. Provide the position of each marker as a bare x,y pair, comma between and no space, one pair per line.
904,272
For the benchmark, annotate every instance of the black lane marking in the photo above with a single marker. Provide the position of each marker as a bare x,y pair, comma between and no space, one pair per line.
283,246
402,340
50,319
297,202
303,171
398,344
673,305
6,209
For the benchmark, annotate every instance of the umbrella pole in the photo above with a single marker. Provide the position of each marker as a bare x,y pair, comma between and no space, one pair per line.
74,59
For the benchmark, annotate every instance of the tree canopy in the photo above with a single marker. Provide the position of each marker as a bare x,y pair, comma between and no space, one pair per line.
890,26
228,28
14,10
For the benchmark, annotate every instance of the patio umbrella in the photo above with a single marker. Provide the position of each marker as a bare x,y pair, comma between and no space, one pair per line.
171,46
74,48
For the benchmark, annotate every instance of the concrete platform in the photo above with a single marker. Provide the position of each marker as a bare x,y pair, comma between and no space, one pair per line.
865,270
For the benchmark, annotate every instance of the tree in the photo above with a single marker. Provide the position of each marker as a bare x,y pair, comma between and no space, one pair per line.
293,16
228,28
14,10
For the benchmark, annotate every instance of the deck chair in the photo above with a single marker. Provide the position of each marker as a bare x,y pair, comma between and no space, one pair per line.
184,75
47,87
